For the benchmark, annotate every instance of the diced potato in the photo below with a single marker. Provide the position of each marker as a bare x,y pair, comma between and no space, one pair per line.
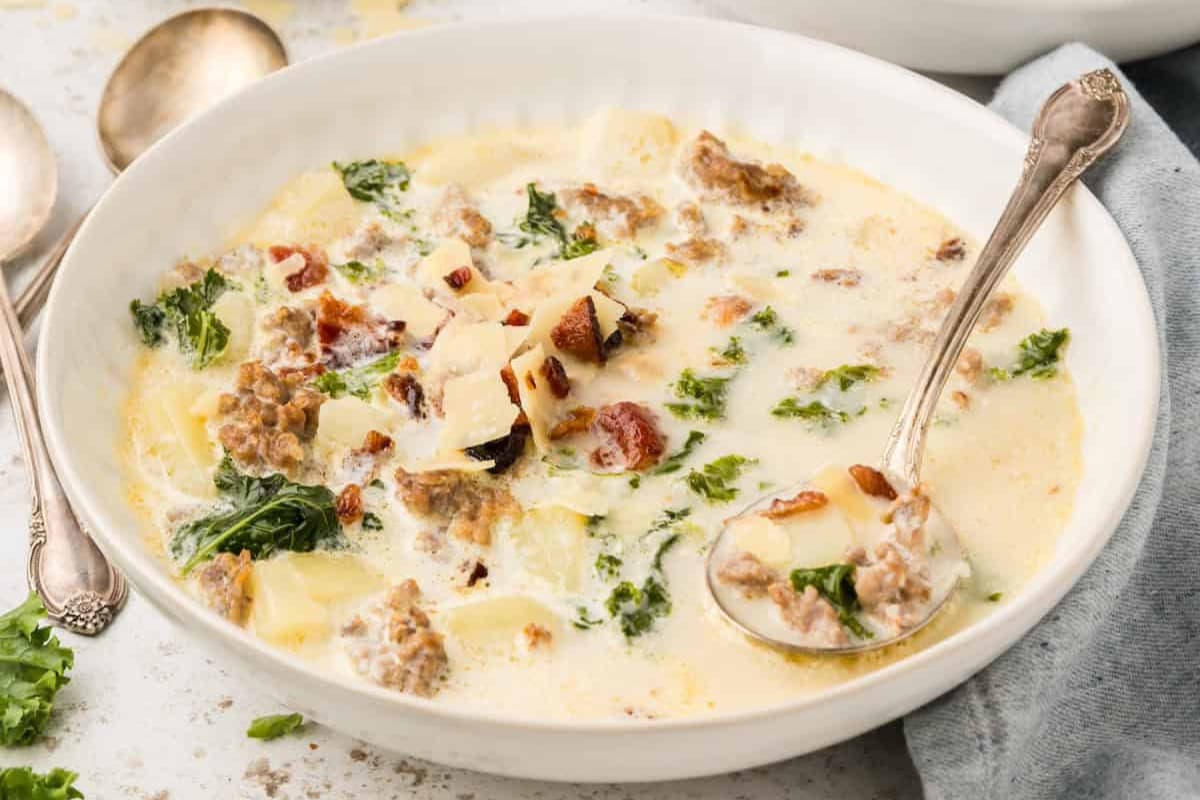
492,627
177,437
282,611
346,421
236,310
653,276
763,539
398,301
551,541
334,577
818,537
567,278
628,143
843,492
473,162
477,409
314,208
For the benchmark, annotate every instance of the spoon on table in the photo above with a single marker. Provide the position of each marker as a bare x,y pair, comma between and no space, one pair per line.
178,68
1077,125
79,588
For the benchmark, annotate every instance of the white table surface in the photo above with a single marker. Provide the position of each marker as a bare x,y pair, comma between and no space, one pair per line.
148,715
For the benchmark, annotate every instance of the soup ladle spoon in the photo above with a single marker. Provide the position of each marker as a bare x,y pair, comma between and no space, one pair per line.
178,68
1077,125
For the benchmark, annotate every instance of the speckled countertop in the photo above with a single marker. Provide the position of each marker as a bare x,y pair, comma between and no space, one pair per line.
148,715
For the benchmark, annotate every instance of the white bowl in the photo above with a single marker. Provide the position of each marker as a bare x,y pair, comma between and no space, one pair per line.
191,191
986,37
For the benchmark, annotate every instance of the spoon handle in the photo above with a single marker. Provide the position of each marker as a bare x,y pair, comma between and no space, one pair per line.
79,588
1076,126
34,295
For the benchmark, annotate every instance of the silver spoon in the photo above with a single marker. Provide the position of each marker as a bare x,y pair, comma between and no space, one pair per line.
1077,125
180,67
79,588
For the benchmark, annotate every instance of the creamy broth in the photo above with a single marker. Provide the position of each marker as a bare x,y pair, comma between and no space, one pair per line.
852,272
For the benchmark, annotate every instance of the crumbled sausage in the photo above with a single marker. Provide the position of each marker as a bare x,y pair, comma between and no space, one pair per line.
536,636
970,365
995,311
961,399
633,436
808,613
314,271
578,420
457,278
349,504
872,481
841,277
807,500
555,374
709,168
392,643
697,249
951,250
627,214
268,419
347,333
362,464
908,515
224,582
474,572
727,309
691,219
578,332
467,505
404,388
741,226
748,574
289,335
517,318
888,588
369,241
456,215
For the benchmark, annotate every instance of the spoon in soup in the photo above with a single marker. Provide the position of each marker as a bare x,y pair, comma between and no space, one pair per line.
179,68
908,561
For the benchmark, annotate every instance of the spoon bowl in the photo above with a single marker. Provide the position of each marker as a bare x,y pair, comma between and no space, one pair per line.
28,172
886,586
180,67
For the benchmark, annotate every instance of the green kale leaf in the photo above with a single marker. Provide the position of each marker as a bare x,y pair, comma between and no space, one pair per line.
635,609
357,381
767,321
541,220
814,411
264,515
201,336
374,181
674,462
1037,355
150,321
33,667
608,566
713,482
358,273
836,584
274,725
371,522
708,395
847,375
22,783
733,352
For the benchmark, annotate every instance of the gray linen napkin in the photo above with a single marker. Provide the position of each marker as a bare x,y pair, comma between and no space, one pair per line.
1102,698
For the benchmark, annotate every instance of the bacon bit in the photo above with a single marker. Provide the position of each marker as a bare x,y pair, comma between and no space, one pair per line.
404,388
632,431
516,318
726,309
951,250
368,336
375,442
556,377
842,277
795,227
741,226
697,249
872,481
970,365
350,504
578,419
458,278
578,332
961,399
314,271
479,572
510,383
805,501
536,636
585,230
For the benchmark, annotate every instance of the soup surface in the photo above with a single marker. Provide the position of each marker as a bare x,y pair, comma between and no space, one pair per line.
464,422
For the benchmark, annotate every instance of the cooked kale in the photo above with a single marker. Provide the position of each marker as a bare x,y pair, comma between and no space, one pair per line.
378,182
262,515
836,584
274,725
200,335
732,353
357,381
150,320
583,621
847,375
635,609
708,395
1037,355
371,522
357,272
541,220
674,462
813,411
33,667
608,566
767,320
713,481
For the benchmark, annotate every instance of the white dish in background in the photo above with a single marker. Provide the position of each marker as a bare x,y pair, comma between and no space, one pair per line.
981,37
194,189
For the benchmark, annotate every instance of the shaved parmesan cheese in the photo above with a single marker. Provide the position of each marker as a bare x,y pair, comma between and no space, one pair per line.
450,255
455,461
405,302
486,307
576,277
608,311
464,347
537,401
477,410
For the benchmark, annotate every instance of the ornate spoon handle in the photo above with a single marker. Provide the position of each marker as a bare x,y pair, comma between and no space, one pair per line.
1077,125
81,591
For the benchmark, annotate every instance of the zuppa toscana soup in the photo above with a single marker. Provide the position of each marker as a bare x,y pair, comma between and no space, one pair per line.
463,422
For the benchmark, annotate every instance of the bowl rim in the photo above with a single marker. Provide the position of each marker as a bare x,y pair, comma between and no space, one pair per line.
1043,591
